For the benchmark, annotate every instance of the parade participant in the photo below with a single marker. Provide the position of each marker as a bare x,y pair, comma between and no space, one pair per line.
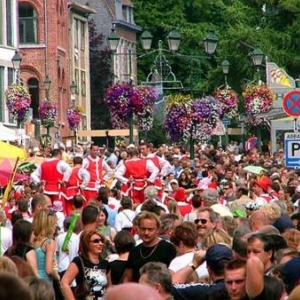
96,166
76,183
151,249
162,164
53,172
136,174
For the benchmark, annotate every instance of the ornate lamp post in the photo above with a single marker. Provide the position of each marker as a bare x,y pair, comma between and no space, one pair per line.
47,83
257,57
225,69
16,61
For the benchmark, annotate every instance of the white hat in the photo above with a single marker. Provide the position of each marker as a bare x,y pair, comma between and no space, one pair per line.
174,181
176,156
130,146
57,206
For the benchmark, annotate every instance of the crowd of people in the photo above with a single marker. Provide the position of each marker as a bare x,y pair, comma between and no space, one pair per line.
142,222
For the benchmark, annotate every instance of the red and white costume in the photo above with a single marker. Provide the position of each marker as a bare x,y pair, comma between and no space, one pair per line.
96,167
164,166
76,183
53,172
142,172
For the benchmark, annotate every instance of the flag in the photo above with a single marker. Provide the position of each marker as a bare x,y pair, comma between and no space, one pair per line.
251,143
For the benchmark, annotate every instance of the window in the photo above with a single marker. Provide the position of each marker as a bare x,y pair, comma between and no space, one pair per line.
2,107
9,23
82,35
1,23
76,30
83,85
10,76
77,80
27,24
33,86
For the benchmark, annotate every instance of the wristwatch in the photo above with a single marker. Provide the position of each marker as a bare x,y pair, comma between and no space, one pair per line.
192,266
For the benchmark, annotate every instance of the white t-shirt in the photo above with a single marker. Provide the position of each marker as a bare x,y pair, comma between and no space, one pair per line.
181,261
64,258
6,239
124,219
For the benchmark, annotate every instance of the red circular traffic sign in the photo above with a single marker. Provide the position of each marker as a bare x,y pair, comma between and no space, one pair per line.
291,103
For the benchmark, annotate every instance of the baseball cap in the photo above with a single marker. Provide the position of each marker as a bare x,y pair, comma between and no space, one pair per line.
290,273
283,223
216,253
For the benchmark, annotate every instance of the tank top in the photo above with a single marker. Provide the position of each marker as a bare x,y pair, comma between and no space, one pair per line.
41,262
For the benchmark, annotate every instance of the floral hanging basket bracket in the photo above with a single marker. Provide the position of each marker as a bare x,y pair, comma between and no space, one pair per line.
258,99
48,113
74,117
18,102
124,100
228,100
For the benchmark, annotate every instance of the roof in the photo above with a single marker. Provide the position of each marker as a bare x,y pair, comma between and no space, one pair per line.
127,3
80,8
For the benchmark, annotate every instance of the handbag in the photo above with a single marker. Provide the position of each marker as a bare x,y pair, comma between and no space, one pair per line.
82,289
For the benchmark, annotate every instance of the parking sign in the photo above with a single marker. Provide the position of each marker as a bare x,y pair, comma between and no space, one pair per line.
292,149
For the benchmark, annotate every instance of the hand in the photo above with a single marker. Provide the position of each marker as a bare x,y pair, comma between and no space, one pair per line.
198,258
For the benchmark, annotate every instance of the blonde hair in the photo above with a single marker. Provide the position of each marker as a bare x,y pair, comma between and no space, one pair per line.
173,207
216,236
272,211
292,238
43,223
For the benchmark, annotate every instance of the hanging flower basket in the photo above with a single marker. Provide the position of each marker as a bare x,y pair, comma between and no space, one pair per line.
145,109
258,99
205,114
124,101
178,115
47,113
191,118
74,117
228,99
18,102
120,99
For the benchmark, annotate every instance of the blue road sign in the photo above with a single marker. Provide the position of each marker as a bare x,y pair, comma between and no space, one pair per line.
292,149
226,121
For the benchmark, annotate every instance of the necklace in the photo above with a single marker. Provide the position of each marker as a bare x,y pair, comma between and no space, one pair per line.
147,256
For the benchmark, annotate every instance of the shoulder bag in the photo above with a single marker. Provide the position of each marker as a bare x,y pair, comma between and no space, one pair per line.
82,289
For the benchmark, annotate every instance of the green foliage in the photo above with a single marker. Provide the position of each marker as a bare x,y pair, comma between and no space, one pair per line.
272,25
101,78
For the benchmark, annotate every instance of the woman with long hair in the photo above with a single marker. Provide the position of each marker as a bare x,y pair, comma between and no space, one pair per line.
108,231
22,243
88,266
44,226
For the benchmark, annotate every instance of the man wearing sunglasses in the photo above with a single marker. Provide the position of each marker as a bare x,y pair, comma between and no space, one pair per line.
206,221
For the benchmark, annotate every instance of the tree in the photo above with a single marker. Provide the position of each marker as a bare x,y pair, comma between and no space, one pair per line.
101,78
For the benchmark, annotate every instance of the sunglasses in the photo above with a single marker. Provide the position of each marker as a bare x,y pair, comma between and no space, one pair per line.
96,241
50,212
202,221
225,189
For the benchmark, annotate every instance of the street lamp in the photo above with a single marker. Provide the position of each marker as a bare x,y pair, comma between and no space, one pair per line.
210,43
146,39
47,84
174,39
73,88
16,61
257,57
225,69
113,40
